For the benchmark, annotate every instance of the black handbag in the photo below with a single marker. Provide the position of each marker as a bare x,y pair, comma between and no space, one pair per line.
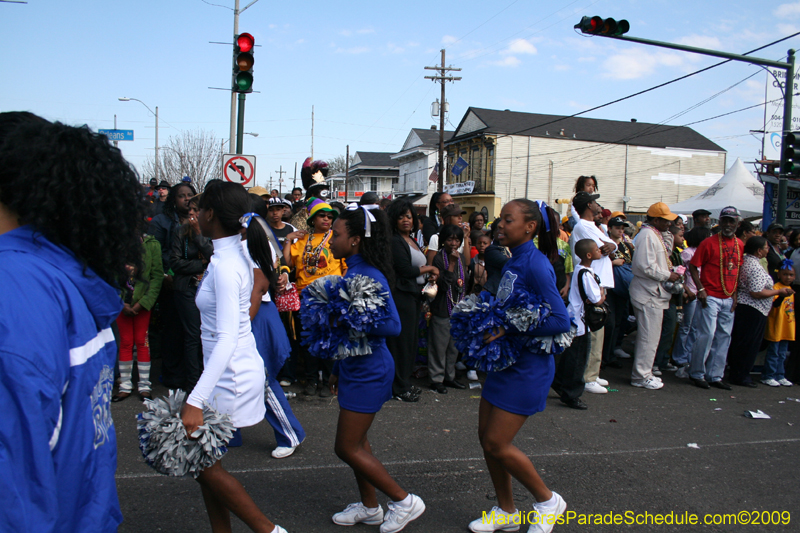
594,315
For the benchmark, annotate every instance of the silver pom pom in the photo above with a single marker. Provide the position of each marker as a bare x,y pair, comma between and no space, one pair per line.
165,445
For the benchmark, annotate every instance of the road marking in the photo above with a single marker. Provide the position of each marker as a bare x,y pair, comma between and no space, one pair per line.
478,459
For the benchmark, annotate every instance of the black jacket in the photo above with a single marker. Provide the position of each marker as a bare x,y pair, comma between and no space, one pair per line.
185,257
774,261
405,273
495,258
163,229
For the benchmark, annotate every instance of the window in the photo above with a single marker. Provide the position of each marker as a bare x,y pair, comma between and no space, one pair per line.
373,184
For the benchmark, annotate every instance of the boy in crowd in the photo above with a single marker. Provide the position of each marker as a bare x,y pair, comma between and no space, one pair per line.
780,329
568,380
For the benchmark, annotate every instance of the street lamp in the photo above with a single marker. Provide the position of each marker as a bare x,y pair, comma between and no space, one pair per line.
126,99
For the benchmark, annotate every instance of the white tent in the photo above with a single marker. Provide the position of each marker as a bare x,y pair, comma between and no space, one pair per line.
738,187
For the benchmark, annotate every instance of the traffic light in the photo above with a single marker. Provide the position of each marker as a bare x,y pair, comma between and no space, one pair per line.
243,63
607,27
791,153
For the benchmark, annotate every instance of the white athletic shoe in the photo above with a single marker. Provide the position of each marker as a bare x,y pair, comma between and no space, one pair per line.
461,366
545,518
472,375
771,382
595,388
602,382
650,383
785,382
496,520
283,451
398,517
356,513
279,529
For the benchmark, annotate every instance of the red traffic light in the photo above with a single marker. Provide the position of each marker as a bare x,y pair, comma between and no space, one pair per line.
245,42
599,26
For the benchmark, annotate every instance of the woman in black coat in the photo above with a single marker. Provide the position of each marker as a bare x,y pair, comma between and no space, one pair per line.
409,267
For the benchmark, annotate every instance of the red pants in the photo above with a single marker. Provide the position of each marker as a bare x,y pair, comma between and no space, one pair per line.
133,330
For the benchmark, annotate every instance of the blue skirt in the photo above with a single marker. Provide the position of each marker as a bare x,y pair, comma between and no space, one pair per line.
365,381
521,388
271,339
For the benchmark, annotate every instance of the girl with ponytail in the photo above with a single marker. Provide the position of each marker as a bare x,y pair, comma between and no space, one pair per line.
232,381
361,237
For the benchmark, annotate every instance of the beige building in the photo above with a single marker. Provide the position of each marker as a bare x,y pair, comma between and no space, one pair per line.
512,155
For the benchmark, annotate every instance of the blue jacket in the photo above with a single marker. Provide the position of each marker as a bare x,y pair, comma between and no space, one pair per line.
58,450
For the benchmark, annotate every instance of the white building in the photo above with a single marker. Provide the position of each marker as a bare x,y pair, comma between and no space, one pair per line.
417,161
513,154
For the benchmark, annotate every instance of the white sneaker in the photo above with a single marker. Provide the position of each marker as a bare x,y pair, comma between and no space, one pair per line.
496,520
771,382
622,354
356,513
283,451
656,371
650,383
285,383
461,366
785,382
472,375
279,529
602,382
546,517
595,388
398,517
682,372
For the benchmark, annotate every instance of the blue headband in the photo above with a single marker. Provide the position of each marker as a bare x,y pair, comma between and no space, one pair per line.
246,219
787,264
368,217
545,216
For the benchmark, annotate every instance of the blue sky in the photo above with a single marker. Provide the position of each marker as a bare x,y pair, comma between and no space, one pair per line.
360,64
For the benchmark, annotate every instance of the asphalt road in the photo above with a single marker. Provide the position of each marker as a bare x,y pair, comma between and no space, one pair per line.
627,453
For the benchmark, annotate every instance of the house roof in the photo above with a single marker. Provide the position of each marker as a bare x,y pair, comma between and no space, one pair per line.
374,159
429,137
478,121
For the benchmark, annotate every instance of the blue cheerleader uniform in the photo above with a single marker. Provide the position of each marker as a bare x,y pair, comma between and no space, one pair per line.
522,388
365,381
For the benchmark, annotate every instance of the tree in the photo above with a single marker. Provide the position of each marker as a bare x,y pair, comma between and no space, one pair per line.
196,154
337,164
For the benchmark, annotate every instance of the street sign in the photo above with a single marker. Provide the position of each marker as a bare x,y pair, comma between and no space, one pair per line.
239,168
117,135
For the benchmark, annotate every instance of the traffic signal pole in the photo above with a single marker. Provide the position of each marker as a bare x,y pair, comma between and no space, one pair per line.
240,125
788,90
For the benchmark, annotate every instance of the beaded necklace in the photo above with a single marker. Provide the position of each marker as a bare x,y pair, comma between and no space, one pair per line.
450,300
311,256
663,244
730,264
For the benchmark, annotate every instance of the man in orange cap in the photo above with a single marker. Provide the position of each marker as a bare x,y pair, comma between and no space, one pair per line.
651,267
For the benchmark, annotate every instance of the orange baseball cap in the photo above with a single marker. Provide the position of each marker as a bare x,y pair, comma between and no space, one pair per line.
619,214
661,210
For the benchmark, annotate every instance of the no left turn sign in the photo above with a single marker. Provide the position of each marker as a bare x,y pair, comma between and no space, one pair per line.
238,168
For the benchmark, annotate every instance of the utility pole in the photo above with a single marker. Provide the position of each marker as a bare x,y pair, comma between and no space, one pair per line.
346,171
294,182
281,172
312,132
236,13
441,78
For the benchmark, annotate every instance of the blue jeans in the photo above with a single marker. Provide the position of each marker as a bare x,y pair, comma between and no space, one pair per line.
713,325
773,362
682,352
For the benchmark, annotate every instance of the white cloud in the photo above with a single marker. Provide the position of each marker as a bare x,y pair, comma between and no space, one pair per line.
787,10
393,48
300,41
561,68
346,33
701,41
508,61
411,44
353,50
636,63
519,46
364,31
449,39
787,29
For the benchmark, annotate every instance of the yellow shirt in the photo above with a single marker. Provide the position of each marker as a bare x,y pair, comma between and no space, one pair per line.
780,322
326,264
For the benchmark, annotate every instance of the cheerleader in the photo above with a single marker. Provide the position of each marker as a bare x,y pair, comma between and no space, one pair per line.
271,339
232,381
364,383
512,395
